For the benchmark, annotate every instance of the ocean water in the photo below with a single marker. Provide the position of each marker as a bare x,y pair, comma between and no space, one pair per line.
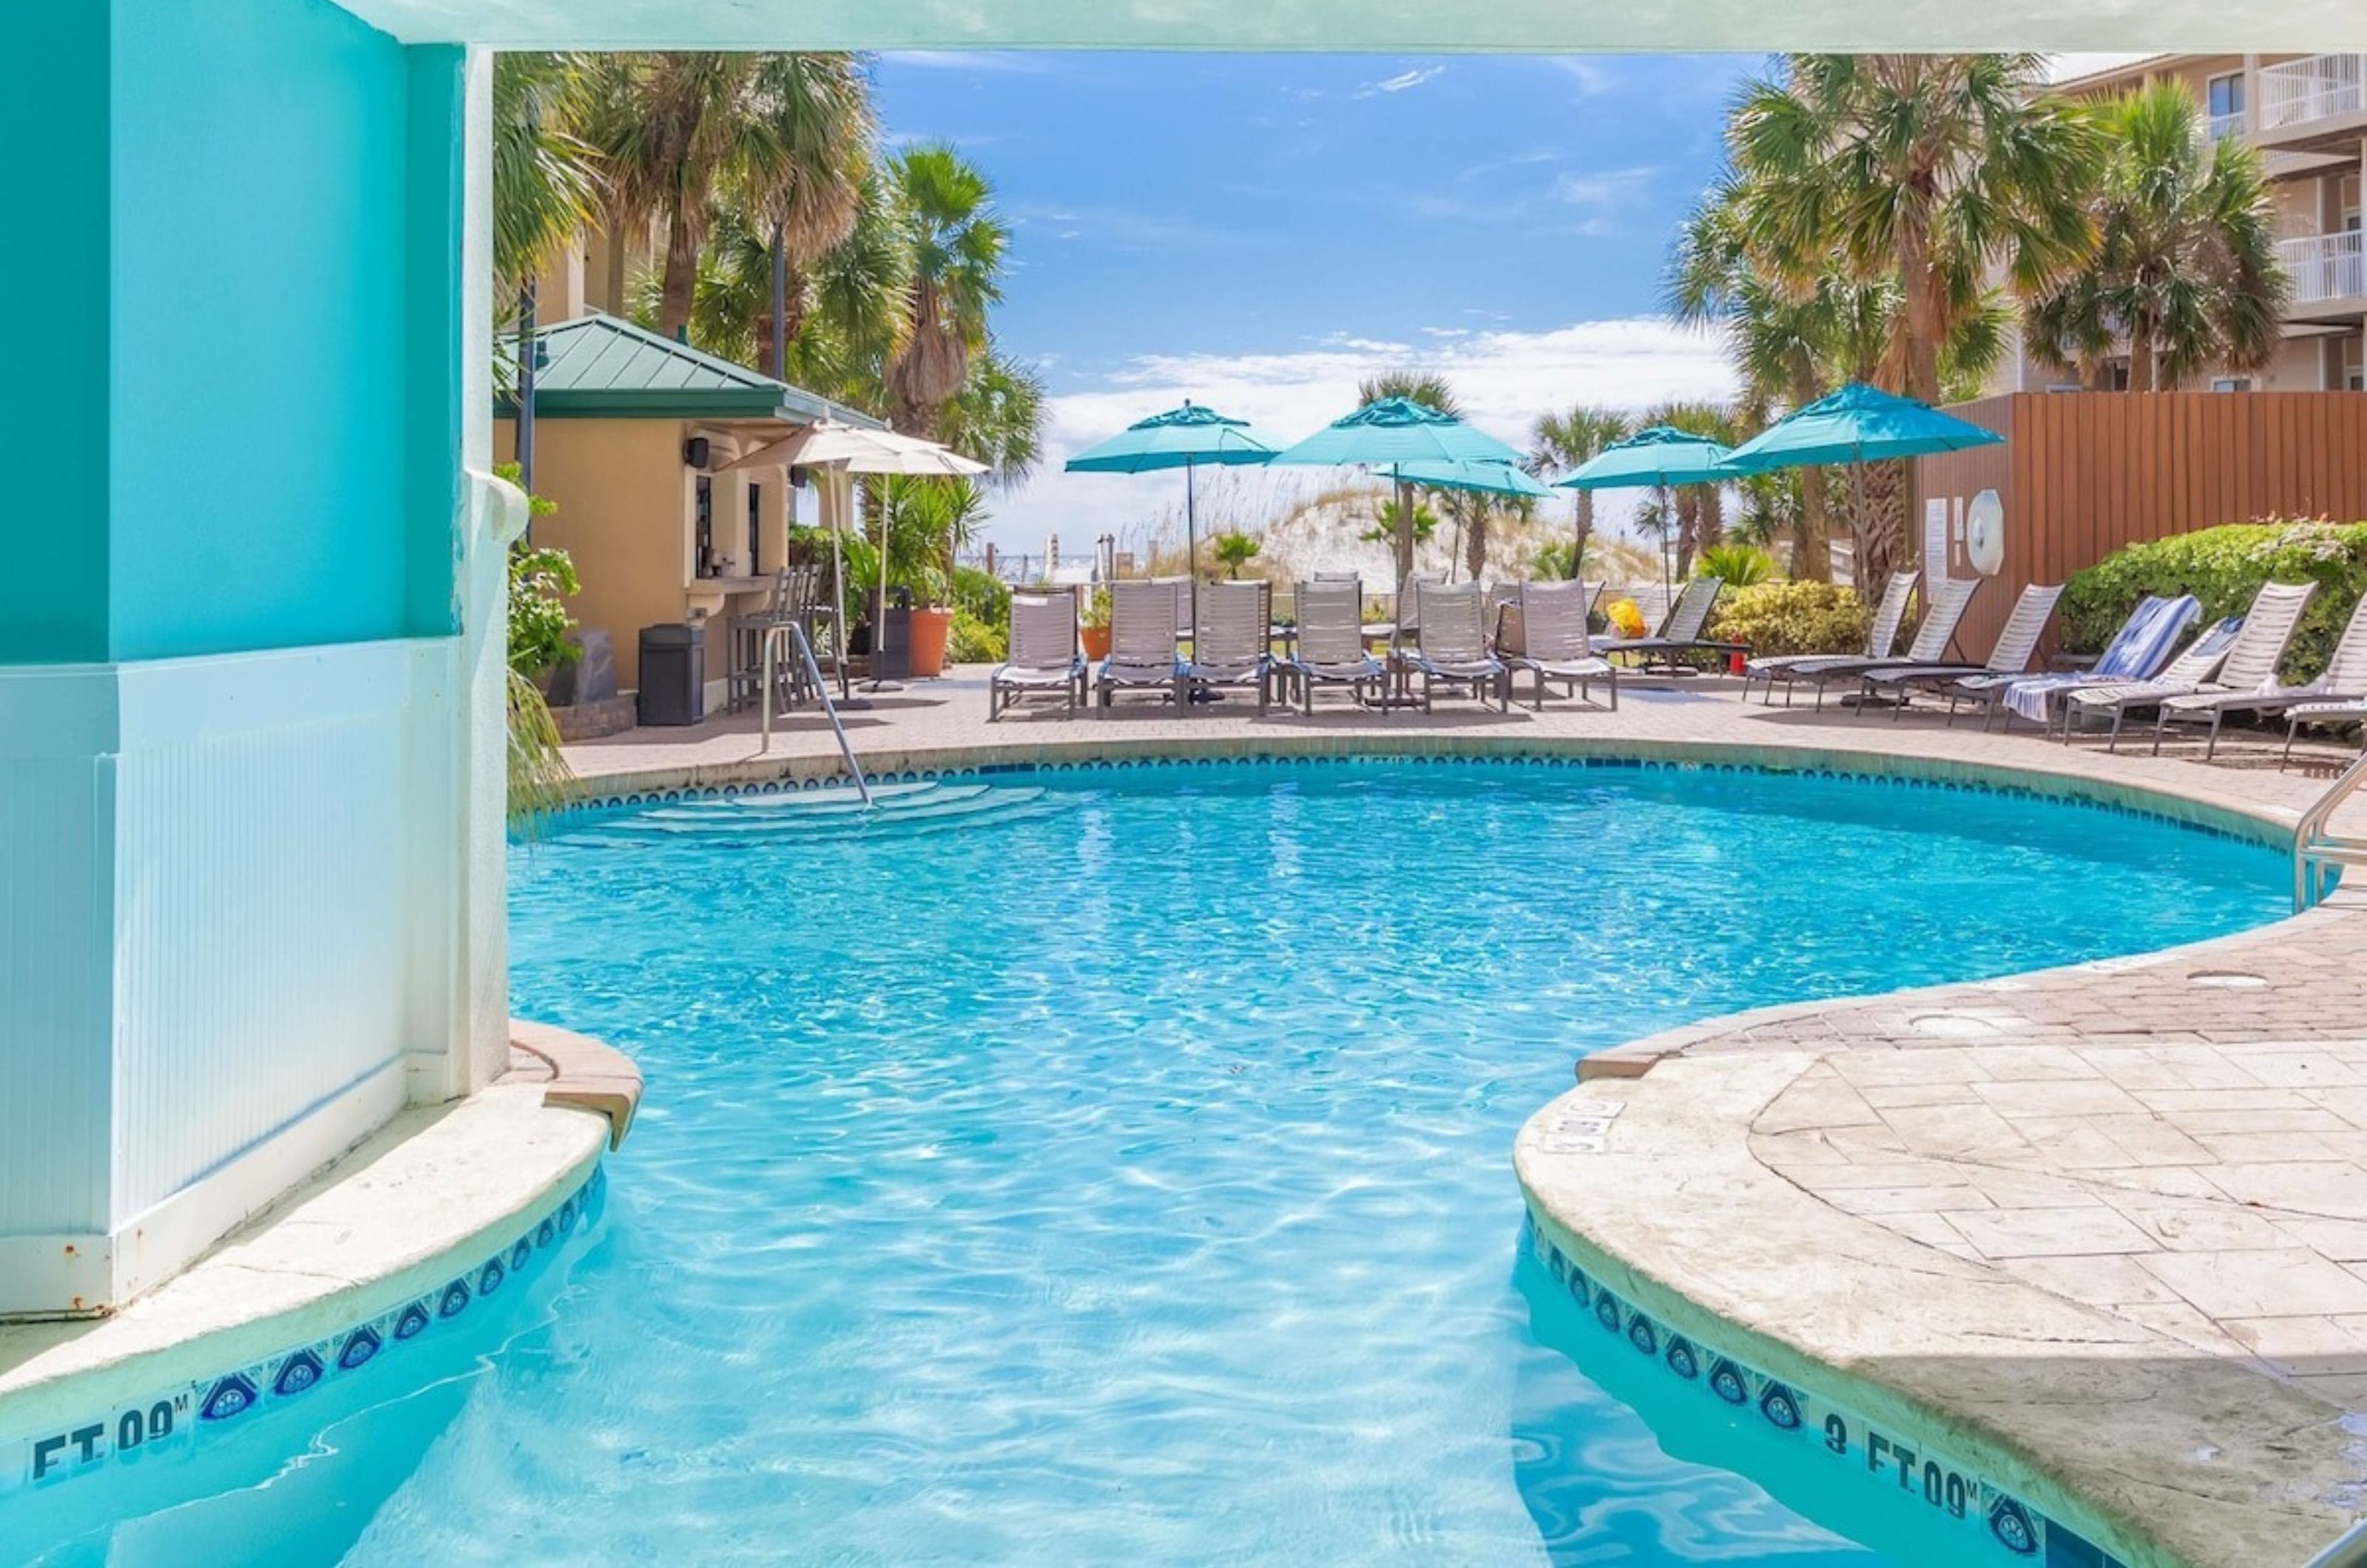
1126,1179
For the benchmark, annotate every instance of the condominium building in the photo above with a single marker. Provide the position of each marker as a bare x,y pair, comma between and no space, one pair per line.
2309,116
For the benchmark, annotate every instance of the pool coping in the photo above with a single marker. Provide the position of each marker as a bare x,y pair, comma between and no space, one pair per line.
402,1233
2043,1485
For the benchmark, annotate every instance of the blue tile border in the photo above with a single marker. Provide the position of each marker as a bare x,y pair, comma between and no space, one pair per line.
2015,1530
200,1410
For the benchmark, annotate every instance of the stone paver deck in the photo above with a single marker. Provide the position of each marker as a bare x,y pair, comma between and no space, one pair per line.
2105,1227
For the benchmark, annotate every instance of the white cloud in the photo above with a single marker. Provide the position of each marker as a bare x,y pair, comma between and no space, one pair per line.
1400,82
1605,189
1504,378
1593,77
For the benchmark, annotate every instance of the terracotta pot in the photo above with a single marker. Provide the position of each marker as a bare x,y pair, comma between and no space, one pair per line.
1096,641
929,629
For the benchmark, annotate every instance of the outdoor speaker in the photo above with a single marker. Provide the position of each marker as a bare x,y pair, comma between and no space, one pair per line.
695,451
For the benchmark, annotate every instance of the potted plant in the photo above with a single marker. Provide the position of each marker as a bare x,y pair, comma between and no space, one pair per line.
1093,623
927,520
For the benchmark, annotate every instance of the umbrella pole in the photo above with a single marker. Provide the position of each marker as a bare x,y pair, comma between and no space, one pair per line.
1668,587
1192,548
838,620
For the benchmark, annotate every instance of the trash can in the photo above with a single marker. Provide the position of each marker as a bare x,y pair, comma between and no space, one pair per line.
674,674
891,635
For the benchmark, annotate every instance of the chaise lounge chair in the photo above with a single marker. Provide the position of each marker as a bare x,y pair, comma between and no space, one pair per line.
1142,656
1234,643
1331,642
1451,644
2249,662
2136,652
2010,655
1881,638
1543,631
1943,610
1681,631
2327,712
1045,658
2344,679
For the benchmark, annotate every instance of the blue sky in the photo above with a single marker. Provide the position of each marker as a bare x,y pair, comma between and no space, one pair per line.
1258,230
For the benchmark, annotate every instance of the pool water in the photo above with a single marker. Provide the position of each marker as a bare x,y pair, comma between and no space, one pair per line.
1130,1180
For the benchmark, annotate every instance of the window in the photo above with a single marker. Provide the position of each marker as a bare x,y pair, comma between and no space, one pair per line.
755,529
703,509
2231,383
2226,94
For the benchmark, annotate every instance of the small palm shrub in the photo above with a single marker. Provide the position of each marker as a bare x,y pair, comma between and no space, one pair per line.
1739,565
1793,617
2223,568
974,640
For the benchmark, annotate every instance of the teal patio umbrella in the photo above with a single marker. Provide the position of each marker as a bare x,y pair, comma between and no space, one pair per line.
1856,425
1404,438
1496,477
1182,438
1656,457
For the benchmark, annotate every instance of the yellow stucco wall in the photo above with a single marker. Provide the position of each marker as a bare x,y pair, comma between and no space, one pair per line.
622,494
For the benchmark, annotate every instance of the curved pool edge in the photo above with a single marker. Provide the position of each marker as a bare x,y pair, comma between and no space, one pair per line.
2114,1471
412,1227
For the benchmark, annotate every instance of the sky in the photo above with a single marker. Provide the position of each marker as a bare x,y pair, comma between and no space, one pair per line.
1256,233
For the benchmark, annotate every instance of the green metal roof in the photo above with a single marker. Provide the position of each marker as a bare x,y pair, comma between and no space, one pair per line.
599,366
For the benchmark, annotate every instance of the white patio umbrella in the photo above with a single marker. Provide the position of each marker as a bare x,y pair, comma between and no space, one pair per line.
844,450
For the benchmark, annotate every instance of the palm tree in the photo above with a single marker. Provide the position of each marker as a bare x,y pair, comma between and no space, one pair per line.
2185,267
997,418
1236,549
1927,171
1560,442
1424,386
544,177
953,244
1697,512
788,135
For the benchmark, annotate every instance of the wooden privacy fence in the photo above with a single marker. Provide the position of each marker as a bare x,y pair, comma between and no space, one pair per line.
2082,474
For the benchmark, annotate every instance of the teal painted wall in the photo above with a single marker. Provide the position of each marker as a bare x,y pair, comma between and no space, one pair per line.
243,426
53,535
259,203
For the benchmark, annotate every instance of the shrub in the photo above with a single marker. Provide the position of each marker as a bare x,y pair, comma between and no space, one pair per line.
972,640
2223,568
986,597
1793,617
1738,566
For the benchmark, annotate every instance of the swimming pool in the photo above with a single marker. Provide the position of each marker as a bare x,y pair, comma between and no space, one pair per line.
1128,1178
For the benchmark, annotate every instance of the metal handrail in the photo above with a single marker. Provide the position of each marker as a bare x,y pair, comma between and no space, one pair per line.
804,650
2314,849
2350,1551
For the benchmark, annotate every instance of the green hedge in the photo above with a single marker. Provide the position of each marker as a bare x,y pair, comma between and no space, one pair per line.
2224,568
1792,617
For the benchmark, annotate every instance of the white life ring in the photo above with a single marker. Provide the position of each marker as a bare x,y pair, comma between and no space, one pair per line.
1985,534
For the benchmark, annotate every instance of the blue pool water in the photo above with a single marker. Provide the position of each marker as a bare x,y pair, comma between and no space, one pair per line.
1128,1180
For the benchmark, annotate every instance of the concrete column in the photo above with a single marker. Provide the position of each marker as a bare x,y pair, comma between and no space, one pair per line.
250,779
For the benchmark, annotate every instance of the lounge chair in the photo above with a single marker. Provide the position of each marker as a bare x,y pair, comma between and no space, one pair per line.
2247,663
1234,643
1681,631
1045,658
2136,652
1331,642
1881,638
1543,632
1142,654
2010,655
2327,712
1943,610
2343,680
1451,644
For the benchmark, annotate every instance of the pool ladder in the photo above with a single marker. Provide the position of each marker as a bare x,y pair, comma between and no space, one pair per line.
805,655
2318,853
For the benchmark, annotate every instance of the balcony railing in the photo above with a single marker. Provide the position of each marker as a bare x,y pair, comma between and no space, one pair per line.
2325,267
2222,126
2319,88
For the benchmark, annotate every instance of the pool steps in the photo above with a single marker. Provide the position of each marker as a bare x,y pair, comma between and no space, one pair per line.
809,816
